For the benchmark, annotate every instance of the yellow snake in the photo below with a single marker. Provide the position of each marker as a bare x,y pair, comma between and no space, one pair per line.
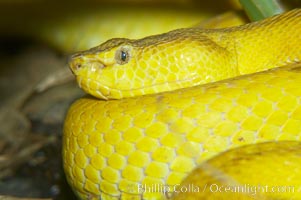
111,148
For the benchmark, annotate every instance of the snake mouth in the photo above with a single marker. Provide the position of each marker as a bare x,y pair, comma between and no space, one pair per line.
102,91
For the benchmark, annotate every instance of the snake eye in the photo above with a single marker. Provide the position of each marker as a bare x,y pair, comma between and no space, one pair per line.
122,55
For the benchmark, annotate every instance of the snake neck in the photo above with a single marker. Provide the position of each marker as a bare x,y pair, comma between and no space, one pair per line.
262,45
269,43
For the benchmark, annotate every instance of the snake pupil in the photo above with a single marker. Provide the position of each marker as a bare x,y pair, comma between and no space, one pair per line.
123,56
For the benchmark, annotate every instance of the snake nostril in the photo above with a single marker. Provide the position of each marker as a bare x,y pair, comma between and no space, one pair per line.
74,62
77,66
74,66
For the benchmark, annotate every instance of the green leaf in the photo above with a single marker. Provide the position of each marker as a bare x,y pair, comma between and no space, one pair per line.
260,9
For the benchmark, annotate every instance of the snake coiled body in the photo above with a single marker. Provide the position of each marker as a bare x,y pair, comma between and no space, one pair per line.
113,147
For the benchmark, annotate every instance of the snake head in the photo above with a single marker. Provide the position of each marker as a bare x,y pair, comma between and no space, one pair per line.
104,71
122,68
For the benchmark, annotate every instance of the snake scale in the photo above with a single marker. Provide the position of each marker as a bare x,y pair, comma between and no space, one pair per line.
176,117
